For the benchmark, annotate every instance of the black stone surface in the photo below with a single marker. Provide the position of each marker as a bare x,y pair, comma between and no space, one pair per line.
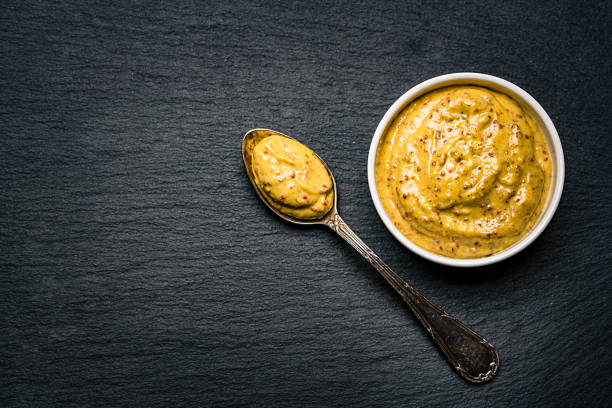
138,268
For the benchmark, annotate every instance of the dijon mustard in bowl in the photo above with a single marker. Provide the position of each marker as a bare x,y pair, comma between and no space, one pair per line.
466,169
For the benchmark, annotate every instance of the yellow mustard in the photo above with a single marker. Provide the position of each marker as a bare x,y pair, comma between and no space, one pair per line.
463,171
292,178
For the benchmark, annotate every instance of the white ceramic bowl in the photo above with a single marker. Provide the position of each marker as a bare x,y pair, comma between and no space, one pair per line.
530,105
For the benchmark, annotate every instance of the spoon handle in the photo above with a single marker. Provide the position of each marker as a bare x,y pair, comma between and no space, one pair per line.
470,354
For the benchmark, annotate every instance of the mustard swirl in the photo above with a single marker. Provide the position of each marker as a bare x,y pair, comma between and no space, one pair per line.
463,171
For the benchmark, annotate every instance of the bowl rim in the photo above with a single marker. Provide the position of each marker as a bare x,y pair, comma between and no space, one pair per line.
464,78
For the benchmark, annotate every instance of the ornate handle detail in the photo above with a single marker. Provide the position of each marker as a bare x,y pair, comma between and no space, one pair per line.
470,354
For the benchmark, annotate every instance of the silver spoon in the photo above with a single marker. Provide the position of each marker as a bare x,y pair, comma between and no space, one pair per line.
470,354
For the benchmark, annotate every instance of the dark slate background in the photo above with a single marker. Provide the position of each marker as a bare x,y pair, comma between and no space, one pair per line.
138,268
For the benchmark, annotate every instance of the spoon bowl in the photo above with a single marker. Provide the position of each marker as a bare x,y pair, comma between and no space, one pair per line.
249,141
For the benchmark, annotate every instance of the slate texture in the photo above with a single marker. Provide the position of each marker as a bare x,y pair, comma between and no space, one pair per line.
138,268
